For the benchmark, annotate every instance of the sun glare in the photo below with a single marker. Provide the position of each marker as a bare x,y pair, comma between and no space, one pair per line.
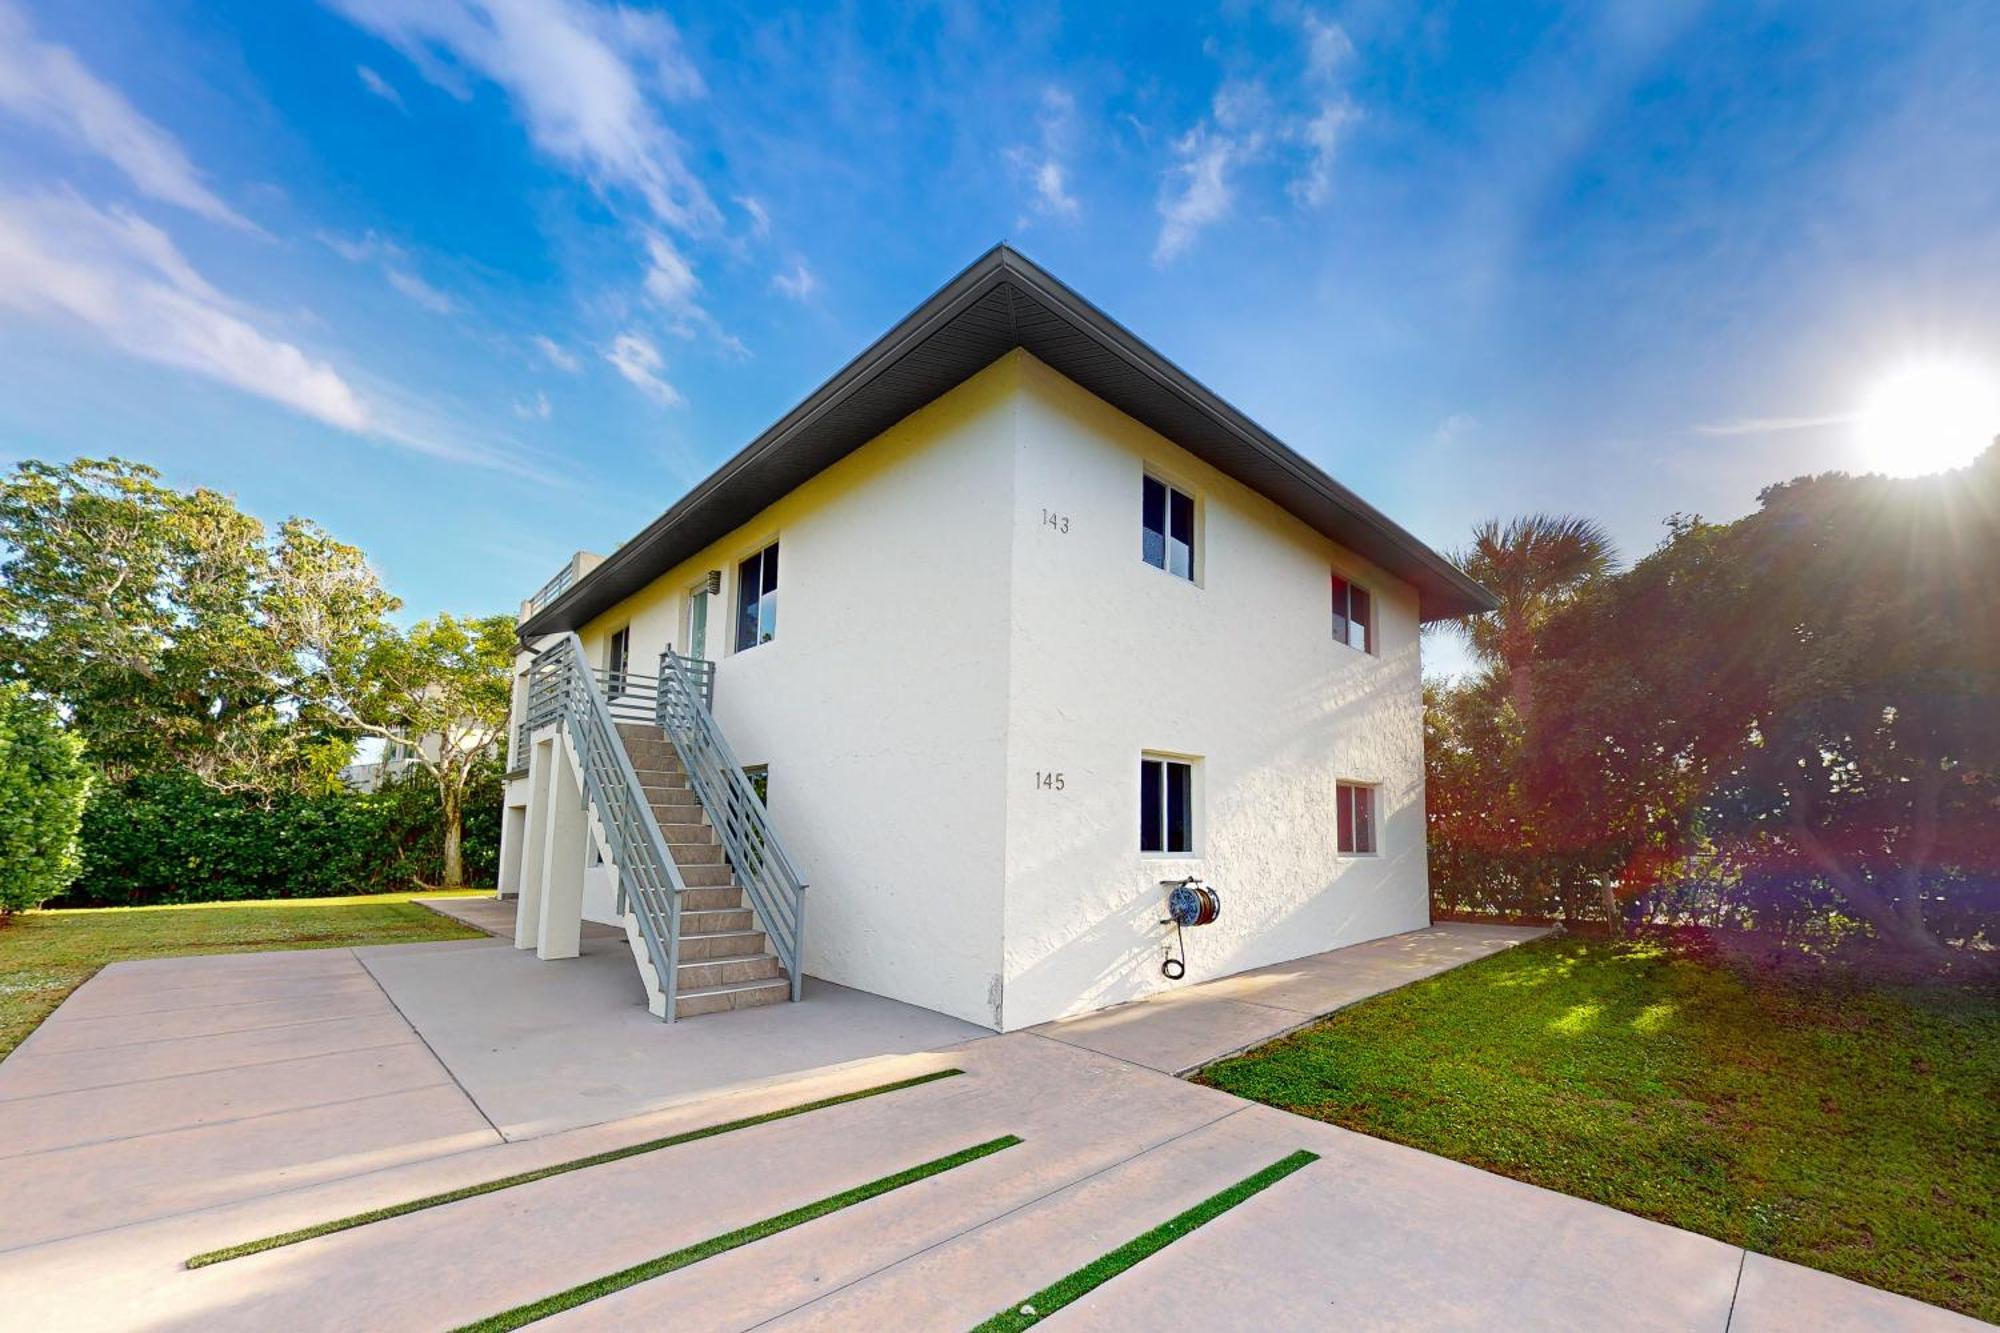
1928,418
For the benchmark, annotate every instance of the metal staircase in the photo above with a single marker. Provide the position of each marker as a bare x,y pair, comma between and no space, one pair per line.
712,908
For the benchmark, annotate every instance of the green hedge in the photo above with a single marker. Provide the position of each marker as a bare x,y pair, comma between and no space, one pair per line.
173,839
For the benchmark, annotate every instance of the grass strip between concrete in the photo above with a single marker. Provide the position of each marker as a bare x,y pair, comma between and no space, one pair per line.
522,1315
1100,1271
250,1247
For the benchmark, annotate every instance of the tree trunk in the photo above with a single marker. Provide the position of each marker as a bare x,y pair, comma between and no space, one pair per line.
449,801
1613,918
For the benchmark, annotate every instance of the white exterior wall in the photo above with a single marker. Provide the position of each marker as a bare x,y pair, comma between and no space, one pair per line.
938,644
880,705
1111,657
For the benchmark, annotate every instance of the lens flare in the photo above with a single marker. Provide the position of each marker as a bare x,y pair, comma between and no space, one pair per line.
1928,418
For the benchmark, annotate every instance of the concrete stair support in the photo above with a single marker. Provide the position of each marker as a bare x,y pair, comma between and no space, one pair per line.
725,962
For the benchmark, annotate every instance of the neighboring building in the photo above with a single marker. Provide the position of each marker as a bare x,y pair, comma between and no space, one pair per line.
397,758
1060,628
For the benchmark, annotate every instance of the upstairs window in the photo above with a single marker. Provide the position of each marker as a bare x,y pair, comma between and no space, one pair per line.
757,599
1166,806
617,662
1356,817
1353,615
1166,520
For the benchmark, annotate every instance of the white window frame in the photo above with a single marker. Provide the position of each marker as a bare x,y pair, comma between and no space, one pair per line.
1195,520
1193,765
1374,790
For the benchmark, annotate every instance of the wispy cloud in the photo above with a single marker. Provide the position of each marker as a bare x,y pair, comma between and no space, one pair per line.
535,409
47,86
123,279
1196,190
394,261
760,219
799,282
1044,167
1773,425
557,355
379,86
582,76
425,295
634,356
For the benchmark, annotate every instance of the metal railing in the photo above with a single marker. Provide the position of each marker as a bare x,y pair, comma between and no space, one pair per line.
686,688
554,588
564,691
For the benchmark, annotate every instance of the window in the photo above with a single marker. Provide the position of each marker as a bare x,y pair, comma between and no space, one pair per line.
617,661
759,777
1356,814
1353,615
757,599
1167,519
1166,806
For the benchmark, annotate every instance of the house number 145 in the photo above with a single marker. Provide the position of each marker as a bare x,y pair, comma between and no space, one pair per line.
1048,781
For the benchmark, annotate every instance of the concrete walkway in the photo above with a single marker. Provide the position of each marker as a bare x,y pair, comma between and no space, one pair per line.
1181,1030
193,1103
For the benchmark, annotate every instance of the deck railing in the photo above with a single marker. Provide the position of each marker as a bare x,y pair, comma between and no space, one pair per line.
564,691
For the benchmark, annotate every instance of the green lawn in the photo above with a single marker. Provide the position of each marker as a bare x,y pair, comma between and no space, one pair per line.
1849,1126
46,955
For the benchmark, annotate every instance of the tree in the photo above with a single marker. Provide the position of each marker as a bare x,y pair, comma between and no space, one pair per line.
170,626
1536,565
442,689
44,782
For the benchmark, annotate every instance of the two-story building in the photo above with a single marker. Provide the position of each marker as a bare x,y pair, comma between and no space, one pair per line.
1011,626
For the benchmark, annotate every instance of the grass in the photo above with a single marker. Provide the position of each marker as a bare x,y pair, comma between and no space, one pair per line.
1846,1125
208,1257
585,1292
46,955
1101,1270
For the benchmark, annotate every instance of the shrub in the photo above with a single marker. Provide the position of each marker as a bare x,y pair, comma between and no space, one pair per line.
174,839
43,785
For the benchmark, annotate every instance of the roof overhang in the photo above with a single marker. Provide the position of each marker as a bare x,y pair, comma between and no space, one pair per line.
1001,302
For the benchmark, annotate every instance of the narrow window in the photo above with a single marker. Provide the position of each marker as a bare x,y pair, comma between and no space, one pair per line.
1166,806
1355,810
759,776
617,661
757,599
1166,522
1353,615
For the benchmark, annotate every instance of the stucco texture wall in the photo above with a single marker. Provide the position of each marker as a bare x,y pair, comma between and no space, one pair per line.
1109,657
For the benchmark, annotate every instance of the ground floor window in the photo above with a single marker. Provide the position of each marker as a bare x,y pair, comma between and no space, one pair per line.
1166,805
759,777
1356,804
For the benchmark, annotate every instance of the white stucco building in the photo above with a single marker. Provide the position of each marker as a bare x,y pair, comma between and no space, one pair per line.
1059,627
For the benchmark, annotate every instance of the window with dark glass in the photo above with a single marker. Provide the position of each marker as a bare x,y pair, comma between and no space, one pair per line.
757,599
617,661
1353,615
1356,810
1166,806
1166,520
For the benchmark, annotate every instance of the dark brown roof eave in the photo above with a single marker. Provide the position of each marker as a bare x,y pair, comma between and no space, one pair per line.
1000,302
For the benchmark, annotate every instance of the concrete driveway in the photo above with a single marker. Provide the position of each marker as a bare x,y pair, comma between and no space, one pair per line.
183,1105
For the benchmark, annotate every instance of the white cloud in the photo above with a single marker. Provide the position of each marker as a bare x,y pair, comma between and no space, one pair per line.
670,279
1321,135
636,358
379,86
1773,425
1328,47
535,409
760,219
366,248
799,284
47,86
1196,190
1043,167
113,273
582,77
414,287
558,356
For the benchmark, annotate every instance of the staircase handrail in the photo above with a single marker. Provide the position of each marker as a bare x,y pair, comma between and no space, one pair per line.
774,888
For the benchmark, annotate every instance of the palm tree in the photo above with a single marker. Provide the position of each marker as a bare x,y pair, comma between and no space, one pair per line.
1535,564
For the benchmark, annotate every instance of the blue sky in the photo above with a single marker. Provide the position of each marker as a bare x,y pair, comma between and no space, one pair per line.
475,283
